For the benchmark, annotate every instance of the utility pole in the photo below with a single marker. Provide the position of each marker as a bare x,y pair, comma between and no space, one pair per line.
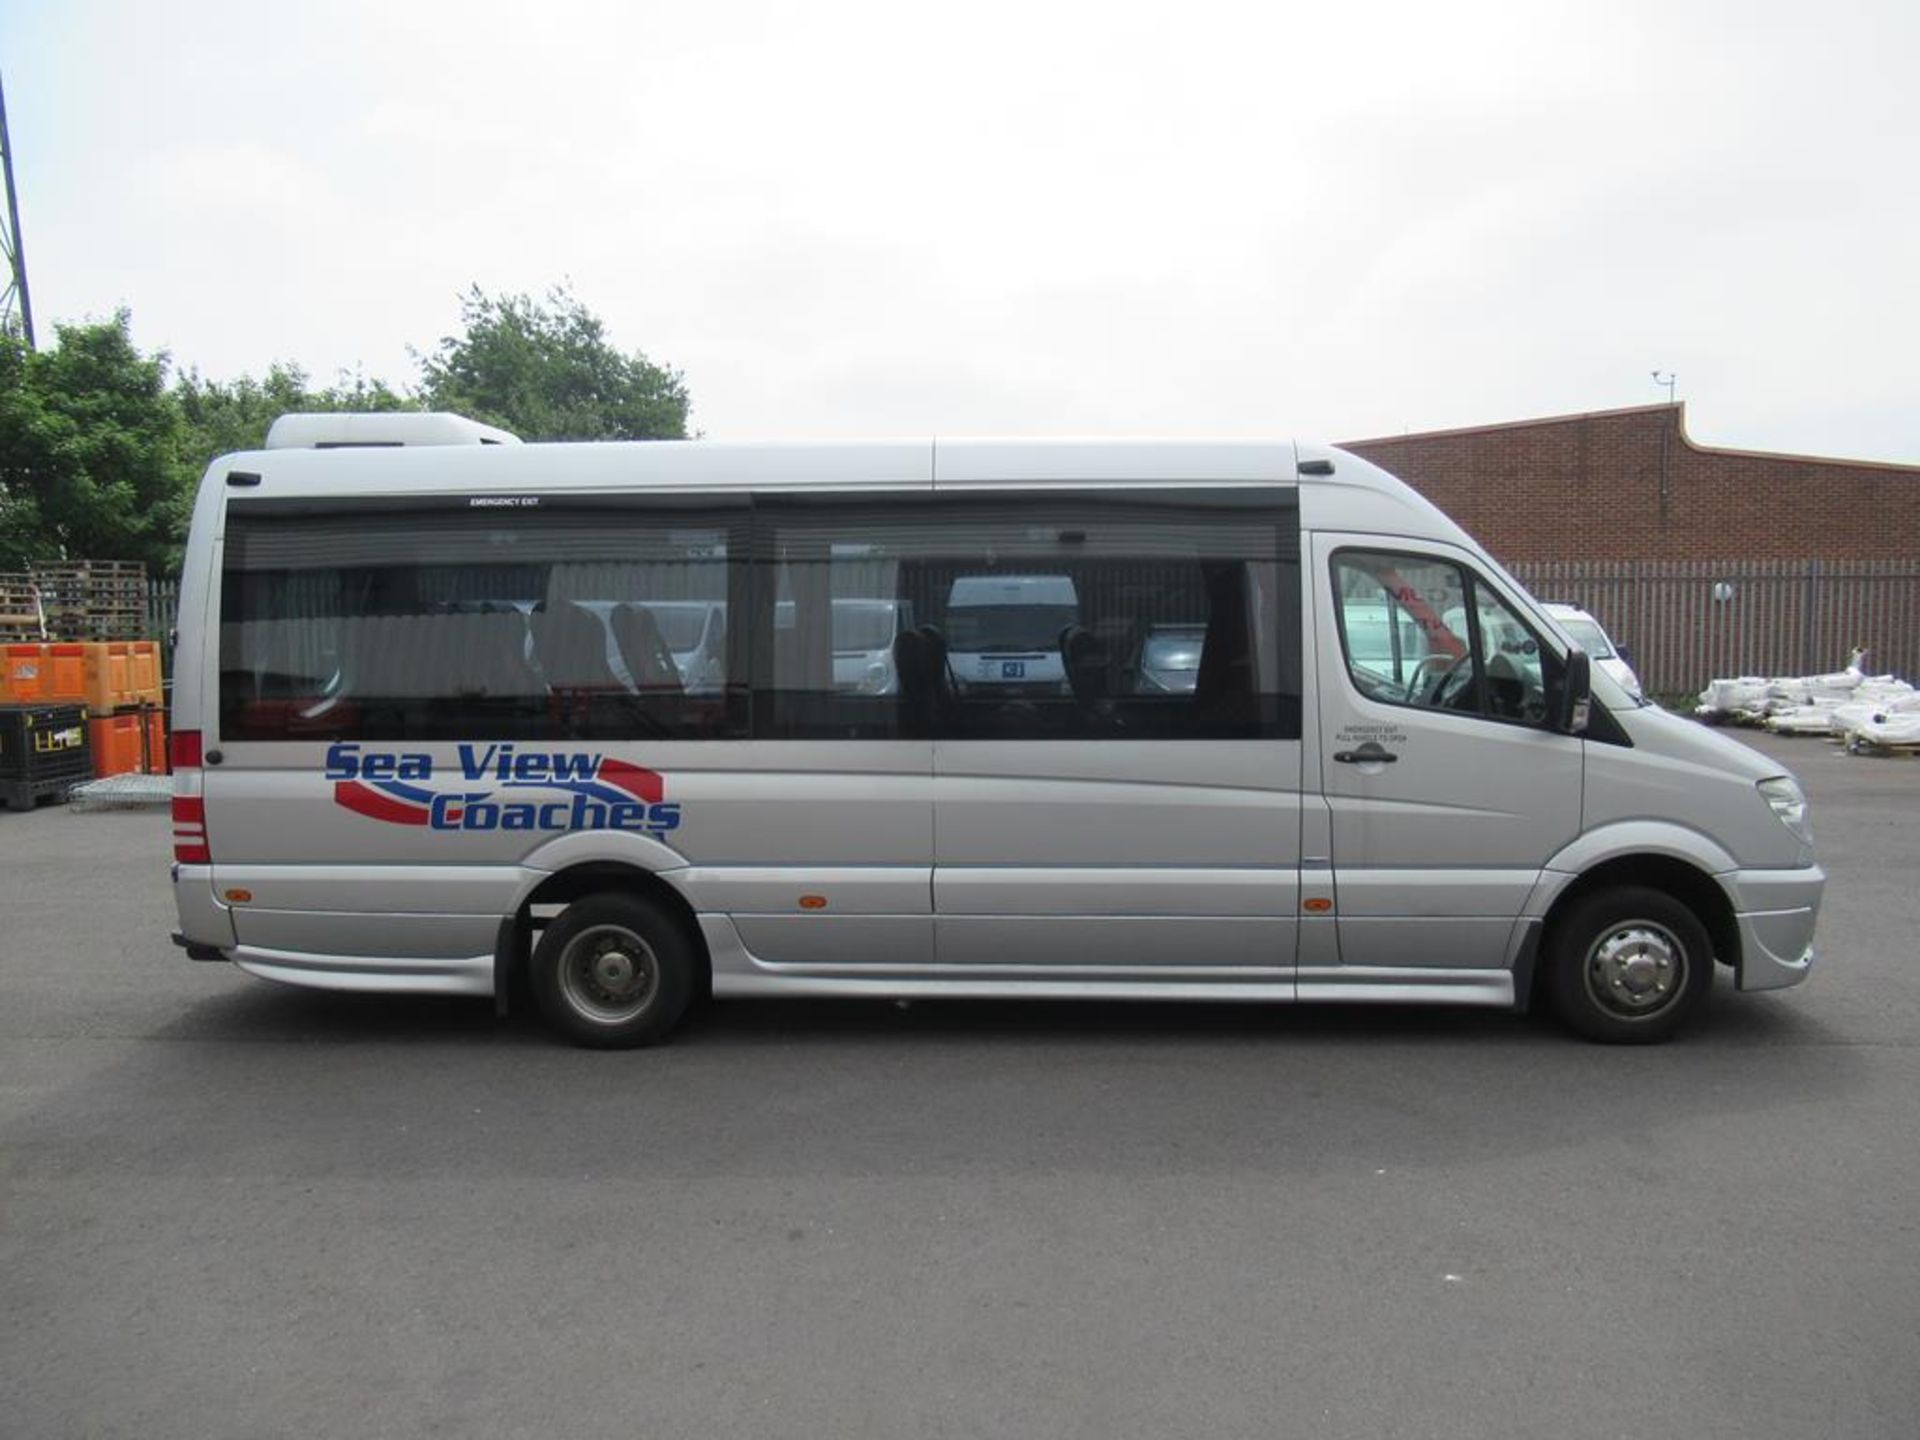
10,238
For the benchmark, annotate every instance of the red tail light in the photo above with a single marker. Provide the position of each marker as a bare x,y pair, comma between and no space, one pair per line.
186,750
190,830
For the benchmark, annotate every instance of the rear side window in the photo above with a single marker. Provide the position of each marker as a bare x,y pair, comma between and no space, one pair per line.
414,623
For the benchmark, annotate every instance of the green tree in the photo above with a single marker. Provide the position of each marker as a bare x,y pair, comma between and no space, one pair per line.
90,450
20,532
222,416
99,457
547,371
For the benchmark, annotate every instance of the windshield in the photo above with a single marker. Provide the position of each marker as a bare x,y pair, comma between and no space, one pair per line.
1590,636
1173,650
862,628
680,626
975,628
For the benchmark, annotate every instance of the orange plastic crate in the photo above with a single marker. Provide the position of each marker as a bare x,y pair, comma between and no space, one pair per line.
106,672
143,672
121,673
36,674
156,740
117,744
69,672
20,670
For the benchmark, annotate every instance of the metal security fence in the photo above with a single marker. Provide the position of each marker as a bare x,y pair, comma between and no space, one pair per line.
1687,622
163,608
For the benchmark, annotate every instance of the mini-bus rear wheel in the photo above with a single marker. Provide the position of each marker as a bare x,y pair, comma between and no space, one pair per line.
1629,965
613,971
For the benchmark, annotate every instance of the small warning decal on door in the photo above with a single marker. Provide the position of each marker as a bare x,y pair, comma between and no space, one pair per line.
1378,734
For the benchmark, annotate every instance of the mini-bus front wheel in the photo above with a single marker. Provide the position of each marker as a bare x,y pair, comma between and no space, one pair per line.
1629,965
613,971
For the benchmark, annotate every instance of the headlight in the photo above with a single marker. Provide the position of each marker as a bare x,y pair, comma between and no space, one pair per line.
1789,802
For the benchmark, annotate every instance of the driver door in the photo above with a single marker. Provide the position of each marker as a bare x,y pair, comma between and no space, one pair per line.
1447,790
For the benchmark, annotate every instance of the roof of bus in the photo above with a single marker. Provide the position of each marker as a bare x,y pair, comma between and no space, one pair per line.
714,462
1354,495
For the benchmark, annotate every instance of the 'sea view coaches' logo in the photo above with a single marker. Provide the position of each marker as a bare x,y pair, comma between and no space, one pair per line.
601,794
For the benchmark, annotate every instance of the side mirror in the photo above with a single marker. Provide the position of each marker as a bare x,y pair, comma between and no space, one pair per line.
1626,655
1575,700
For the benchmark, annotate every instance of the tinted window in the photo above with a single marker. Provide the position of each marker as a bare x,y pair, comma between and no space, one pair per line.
443,622
829,602
1069,615
682,623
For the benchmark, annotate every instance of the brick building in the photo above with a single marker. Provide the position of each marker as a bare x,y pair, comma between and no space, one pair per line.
1630,485
1705,562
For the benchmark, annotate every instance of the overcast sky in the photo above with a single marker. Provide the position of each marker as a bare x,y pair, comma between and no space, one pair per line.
888,219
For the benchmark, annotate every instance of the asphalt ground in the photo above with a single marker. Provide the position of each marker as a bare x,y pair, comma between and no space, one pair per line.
232,1209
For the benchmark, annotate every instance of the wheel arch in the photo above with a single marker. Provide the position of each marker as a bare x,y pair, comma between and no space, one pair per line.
1686,882
520,930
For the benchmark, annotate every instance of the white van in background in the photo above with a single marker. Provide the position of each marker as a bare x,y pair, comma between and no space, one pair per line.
695,632
1003,632
1363,763
863,636
1592,637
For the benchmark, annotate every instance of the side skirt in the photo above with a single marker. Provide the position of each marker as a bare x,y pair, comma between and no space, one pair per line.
739,974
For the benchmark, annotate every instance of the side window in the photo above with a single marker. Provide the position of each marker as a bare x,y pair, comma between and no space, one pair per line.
830,587
453,622
1403,623
1144,615
1070,615
1515,675
1425,633
1020,615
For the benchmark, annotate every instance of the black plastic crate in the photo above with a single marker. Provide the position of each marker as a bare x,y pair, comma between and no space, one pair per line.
43,750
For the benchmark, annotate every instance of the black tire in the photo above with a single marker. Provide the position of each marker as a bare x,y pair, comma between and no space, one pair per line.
1628,966
613,971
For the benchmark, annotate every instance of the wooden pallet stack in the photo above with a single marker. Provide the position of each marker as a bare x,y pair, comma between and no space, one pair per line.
94,599
20,617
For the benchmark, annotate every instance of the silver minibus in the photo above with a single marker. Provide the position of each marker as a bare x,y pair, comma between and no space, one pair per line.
431,736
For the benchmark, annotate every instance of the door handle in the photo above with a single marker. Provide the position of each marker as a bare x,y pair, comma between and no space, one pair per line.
1368,754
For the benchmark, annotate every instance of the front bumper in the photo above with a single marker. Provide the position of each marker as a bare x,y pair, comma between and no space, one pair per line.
1775,911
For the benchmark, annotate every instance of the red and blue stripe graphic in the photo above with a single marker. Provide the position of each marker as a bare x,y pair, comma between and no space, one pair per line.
387,800
398,803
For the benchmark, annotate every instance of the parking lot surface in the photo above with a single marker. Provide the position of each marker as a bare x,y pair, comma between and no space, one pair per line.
228,1208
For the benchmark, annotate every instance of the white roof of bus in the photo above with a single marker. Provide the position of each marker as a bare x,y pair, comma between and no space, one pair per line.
1342,491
